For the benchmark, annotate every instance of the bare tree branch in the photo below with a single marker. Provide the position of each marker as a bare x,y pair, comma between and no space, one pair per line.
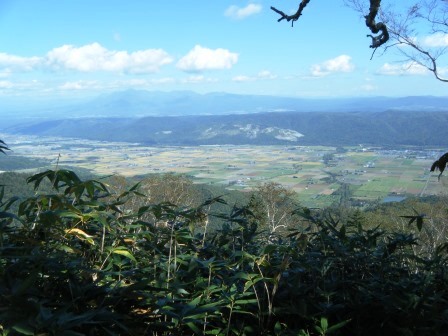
294,17
429,61
426,16
398,26
374,27
433,14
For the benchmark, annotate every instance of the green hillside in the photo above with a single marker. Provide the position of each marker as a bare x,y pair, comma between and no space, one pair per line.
308,128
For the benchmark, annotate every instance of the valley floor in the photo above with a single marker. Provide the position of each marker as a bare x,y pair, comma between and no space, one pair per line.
315,173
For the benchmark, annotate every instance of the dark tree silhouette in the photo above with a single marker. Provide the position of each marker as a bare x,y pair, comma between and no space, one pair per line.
440,164
374,27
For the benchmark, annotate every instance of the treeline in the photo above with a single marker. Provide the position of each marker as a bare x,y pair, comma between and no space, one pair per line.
105,257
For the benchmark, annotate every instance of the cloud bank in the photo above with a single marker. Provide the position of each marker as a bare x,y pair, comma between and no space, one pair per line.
262,75
96,58
339,64
202,59
18,63
402,69
89,58
436,40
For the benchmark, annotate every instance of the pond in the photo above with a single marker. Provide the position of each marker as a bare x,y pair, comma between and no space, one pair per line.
393,198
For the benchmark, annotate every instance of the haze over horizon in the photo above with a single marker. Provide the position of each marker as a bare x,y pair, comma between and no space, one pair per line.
66,50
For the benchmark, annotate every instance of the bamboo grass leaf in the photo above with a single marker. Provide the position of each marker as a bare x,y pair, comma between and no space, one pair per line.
81,235
124,252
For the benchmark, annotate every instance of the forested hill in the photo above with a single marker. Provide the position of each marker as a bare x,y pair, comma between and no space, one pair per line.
302,128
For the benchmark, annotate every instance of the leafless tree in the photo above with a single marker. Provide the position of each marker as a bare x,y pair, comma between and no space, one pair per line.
273,206
174,190
171,188
419,33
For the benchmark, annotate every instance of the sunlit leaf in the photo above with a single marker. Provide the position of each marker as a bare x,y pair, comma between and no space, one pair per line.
124,252
80,234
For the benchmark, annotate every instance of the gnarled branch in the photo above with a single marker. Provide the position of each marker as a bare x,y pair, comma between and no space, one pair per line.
374,27
293,17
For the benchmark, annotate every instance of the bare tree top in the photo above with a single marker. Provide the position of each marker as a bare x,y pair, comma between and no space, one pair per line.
399,29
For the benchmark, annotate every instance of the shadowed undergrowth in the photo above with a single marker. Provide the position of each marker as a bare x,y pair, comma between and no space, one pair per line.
83,261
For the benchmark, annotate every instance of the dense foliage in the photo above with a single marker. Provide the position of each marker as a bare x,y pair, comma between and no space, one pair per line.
78,261
9,162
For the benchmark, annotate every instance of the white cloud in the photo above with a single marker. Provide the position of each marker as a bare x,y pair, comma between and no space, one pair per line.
79,85
195,79
408,68
6,85
12,62
198,79
339,64
265,74
114,84
242,78
262,75
89,58
239,13
20,85
200,59
436,40
164,80
94,57
4,73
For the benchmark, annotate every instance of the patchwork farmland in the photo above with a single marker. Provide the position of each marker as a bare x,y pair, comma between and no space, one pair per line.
315,173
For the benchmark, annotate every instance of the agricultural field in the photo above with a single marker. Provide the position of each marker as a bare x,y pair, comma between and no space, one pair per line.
315,173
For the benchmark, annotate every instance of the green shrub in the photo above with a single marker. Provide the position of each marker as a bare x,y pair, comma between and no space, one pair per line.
79,261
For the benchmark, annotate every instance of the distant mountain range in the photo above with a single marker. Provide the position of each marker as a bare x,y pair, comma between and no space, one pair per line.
155,103
187,118
140,103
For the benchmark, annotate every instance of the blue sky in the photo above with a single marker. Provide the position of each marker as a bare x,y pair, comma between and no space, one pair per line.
76,48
